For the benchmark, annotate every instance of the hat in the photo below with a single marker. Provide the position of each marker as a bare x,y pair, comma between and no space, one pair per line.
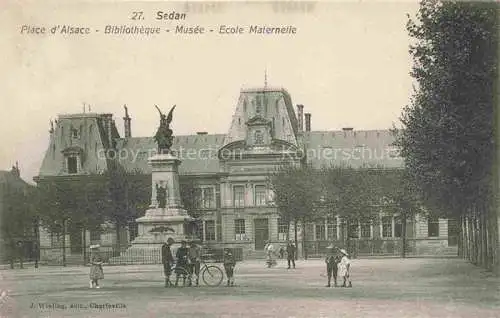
330,247
94,246
170,240
343,252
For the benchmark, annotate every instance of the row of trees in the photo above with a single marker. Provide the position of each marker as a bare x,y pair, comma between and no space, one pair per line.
304,194
448,131
87,203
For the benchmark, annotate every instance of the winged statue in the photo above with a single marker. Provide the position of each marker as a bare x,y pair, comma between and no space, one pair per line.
164,136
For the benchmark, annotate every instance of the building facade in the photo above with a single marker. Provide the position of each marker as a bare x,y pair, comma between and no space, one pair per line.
231,173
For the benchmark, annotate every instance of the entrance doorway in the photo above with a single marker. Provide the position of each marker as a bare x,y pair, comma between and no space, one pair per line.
261,227
452,232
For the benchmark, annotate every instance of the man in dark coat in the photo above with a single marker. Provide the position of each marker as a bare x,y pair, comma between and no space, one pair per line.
332,260
229,264
290,252
167,260
36,253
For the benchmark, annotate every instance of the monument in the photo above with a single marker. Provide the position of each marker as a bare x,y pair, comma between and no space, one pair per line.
165,217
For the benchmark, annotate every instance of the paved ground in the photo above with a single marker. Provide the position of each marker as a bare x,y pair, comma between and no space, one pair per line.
382,288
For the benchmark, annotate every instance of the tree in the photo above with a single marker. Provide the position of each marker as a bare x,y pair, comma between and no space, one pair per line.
350,194
73,205
18,218
401,199
129,197
447,133
190,198
297,191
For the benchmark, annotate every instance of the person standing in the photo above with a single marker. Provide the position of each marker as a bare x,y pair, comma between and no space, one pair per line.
290,252
345,268
269,248
19,254
194,262
36,253
229,264
96,272
332,259
182,263
167,260
282,252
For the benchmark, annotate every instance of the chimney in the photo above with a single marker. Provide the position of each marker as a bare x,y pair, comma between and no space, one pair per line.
126,123
201,133
51,131
308,121
300,116
108,119
15,170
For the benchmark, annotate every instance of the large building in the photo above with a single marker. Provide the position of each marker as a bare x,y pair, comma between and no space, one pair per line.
231,174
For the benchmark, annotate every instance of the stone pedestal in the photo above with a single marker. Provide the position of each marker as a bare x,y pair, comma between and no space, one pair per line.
158,224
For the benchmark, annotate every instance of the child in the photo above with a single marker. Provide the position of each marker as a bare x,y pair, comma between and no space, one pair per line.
331,261
282,252
96,271
344,268
229,264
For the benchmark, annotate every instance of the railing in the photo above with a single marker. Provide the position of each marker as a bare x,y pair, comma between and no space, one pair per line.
110,256
381,247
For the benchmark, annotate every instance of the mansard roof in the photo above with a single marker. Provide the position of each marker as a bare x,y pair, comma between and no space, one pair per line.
276,106
366,148
197,152
93,136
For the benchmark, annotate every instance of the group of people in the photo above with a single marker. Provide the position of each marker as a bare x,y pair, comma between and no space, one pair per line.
338,265
271,252
187,263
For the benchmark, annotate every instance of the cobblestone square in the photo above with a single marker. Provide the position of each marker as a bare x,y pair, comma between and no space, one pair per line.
381,288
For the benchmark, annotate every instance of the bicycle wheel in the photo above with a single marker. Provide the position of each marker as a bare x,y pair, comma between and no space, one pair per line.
212,275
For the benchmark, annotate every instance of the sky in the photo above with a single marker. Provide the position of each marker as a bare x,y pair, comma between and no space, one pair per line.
348,64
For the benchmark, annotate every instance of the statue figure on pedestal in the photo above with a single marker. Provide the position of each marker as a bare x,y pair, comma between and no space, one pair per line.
161,196
163,136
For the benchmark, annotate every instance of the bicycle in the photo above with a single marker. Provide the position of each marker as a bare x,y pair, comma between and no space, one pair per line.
212,275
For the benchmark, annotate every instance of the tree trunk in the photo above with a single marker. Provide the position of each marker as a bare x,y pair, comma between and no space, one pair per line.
84,245
403,235
304,245
460,252
118,238
347,237
64,241
296,240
